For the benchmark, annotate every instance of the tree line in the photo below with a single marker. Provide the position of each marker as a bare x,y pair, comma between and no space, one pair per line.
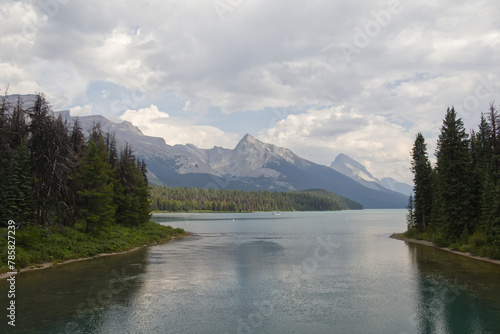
457,201
164,198
52,174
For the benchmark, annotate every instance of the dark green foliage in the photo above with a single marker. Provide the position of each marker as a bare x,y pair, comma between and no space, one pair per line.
132,192
17,181
53,176
50,149
186,199
422,171
19,186
410,216
96,195
464,186
453,179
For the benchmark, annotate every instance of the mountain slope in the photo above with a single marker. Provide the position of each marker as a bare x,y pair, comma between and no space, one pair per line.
400,187
356,171
251,165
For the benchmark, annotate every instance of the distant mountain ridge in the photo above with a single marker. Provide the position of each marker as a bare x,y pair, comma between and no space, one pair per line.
356,171
251,165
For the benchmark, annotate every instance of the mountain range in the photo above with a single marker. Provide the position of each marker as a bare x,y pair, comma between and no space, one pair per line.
251,165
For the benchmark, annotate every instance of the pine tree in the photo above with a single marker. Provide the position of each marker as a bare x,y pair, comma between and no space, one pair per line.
132,192
5,158
41,158
410,215
78,146
96,197
490,205
453,205
112,150
422,178
20,185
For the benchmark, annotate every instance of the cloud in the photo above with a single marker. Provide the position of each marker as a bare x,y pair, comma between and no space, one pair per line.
156,123
262,56
81,111
321,134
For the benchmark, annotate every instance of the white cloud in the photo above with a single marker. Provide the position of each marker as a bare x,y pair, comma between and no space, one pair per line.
81,111
263,54
156,123
321,134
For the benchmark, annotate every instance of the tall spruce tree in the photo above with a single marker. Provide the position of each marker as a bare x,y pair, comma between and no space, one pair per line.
410,215
5,158
453,205
96,196
422,178
41,158
78,146
19,186
132,192
490,207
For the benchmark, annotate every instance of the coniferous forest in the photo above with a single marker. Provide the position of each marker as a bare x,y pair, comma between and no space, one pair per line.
55,175
456,203
165,198
69,194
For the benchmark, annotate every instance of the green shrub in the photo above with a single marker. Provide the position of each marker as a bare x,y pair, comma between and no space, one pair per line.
477,239
38,245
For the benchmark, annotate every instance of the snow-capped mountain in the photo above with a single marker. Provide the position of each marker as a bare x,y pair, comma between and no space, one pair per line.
356,171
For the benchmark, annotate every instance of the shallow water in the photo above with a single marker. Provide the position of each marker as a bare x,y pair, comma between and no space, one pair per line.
322,272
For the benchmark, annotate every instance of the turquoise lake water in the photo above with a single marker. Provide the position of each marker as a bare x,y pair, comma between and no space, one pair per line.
319,272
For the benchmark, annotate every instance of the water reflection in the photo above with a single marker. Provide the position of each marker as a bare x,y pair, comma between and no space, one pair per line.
72,298
266,276
454,294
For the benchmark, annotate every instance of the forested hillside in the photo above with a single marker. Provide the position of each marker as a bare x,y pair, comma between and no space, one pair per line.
457,201
165,198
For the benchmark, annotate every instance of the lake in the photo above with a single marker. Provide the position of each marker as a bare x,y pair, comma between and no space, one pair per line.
316,272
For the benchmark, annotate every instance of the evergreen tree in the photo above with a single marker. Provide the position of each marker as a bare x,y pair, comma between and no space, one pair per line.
453,205
422,178
96,197
41,160
490,208
78,146
132,192
112,150
50,150
5,158
77,139
410,215
19,188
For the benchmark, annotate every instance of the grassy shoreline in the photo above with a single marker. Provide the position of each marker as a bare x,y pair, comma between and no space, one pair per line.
403,237
41,248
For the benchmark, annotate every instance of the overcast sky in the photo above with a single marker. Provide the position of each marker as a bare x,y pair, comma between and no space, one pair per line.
320,77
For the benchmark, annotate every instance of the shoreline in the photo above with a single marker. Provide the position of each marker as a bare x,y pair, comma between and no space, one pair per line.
400,236
46,265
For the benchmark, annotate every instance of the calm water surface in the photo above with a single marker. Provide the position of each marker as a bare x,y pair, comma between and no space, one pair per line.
331,272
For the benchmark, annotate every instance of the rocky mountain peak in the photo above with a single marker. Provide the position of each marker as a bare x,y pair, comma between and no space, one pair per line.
248,139
132,128
350,167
